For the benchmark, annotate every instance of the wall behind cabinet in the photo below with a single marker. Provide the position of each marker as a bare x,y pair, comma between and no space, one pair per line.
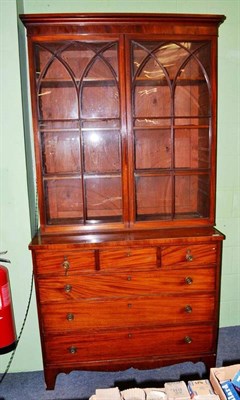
15,231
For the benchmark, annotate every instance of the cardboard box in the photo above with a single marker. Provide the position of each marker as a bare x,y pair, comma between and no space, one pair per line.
222,374
236,381
177,390
201,390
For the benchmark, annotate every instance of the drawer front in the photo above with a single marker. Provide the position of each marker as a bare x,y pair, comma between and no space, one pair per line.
128,258
132,311
121,285
178,256
128,344
64,263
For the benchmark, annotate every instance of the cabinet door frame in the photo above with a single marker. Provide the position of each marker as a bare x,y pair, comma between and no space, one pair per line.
90,38
203,221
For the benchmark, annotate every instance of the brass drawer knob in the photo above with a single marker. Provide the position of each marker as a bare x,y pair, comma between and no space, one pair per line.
188,280
68,288
72,349
129,305
188,340
188,309
129,278
70,316
66,266
189,256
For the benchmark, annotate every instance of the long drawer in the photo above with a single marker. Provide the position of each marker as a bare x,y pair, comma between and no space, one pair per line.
131,311
128,344
101,285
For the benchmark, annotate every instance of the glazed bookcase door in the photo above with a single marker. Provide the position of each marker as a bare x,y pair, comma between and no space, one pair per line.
79,130
171,131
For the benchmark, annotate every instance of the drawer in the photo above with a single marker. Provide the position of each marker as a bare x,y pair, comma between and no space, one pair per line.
87,286
62,263
128,258
131,311
128,344
178,256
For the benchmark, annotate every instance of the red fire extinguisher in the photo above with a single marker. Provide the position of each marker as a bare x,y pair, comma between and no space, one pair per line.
8,340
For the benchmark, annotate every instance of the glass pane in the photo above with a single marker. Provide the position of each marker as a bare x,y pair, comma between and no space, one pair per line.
192,100
101,151
61,152
104,198
78,55
192,196
191,148
171,55
57,94
140,53
152,101
104,66
100,101
157,59
64,200
153,197
192,91
153,148
110,56
164,60
204,56
99,93
83,57
203,148
58,101
151,82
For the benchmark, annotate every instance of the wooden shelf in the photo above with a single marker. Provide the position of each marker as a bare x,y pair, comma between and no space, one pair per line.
164,82
64,82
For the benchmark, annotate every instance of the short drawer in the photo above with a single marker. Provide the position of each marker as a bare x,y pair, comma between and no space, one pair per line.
128,258
99,285
128,344
132,311
64,263
178,256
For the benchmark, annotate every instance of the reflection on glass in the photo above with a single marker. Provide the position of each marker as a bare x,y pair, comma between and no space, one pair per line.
148,101
101,151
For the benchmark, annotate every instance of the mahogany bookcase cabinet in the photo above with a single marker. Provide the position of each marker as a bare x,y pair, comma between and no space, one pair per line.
127,260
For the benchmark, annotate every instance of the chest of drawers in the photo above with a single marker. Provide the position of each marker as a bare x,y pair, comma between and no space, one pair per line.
116,301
